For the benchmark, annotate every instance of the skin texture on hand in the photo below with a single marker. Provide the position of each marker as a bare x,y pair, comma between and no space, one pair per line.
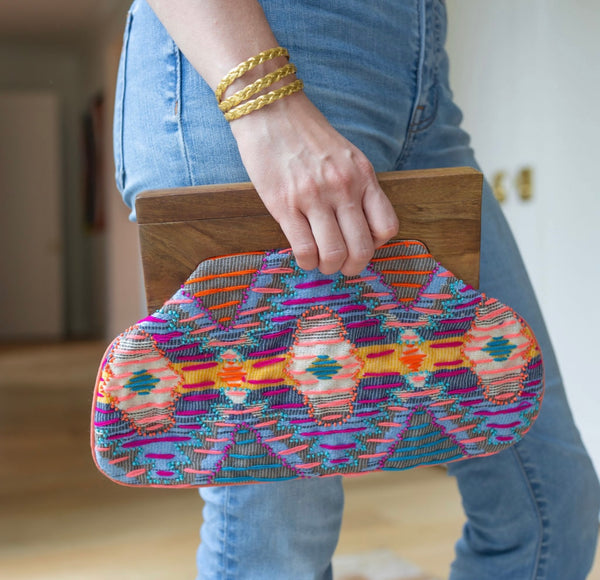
318,186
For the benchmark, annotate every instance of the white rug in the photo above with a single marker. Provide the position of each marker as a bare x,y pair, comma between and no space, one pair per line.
375,565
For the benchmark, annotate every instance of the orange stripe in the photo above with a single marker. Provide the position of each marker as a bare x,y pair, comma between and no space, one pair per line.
406,284
401,257
401,243
406,272
225,275
217,290
224,305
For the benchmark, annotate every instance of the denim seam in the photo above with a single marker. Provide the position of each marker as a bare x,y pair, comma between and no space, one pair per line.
407,146
541,551
120,169
179,114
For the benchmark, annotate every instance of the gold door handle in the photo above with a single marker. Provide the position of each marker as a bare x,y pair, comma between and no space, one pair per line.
524,183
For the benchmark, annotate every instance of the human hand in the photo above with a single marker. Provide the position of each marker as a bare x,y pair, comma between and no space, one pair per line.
319,187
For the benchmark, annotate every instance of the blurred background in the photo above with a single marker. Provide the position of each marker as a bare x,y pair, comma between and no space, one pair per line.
527,79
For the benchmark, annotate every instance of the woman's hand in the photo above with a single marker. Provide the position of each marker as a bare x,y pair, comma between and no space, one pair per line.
318,186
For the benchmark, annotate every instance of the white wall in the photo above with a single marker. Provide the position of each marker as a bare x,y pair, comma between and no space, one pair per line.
102,280
46,67
526,76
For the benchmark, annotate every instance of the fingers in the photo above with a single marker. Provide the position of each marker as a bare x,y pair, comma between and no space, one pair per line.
380,215
357,237
341,237
300,236
332,250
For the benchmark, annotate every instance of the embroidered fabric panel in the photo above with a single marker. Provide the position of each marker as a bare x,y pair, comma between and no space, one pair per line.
258,371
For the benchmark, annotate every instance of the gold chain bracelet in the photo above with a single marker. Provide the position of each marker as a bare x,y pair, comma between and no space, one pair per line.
257,86
243,68
264,100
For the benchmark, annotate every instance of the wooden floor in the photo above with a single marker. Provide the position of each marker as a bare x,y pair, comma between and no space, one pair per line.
60,519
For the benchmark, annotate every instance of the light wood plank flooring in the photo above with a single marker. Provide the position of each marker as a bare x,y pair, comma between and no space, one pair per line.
60,519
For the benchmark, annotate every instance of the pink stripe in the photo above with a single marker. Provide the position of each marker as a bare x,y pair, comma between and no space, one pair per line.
267,290
352,308
370,322
201,366
105,423
149,405
380,353
279,438
420,393
125,351
198,471
268,352
277,271
443,375
271,361
118,459
314,284
494,313
440,296
252,311
265,424
207,397
386,307
448,364
193,317
365,279
474,440
427,310
136,472
292,450
198,385
201,330
195,357
208,451
276,334
137,362
467,304
341,403
320,328
277,392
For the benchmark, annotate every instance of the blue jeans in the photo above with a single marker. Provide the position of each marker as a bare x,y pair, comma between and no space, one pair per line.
379,72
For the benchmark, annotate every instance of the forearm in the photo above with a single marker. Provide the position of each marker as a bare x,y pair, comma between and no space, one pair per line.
217,35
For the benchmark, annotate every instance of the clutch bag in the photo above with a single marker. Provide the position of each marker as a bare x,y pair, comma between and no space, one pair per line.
257,371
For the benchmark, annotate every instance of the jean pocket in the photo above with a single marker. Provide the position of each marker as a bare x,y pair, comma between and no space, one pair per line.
119,107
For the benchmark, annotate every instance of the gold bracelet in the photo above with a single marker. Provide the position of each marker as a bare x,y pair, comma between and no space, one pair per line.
264,100
257,86
243,68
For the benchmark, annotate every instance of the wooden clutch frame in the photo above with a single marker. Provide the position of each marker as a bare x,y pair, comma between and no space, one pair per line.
180,227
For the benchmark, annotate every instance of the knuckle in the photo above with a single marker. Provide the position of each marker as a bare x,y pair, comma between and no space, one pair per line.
363,255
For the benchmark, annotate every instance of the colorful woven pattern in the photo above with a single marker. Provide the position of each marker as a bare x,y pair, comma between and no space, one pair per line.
257,371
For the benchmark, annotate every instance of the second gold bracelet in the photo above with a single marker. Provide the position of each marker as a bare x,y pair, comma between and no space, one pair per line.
264,100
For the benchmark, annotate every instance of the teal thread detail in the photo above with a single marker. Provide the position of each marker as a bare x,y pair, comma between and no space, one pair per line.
324,368
142,382
499,348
